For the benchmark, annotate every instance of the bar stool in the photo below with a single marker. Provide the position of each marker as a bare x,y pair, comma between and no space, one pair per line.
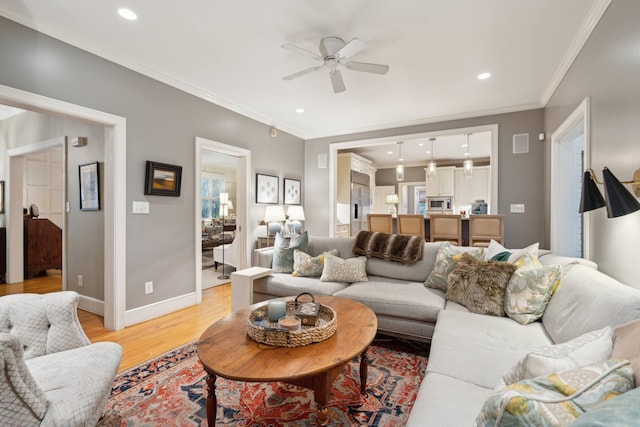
411,225
380,222
446,228
483,228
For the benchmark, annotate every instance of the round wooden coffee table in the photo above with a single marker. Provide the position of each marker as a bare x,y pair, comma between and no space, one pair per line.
226,350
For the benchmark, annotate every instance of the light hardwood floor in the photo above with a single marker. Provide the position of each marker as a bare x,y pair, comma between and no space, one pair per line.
145,340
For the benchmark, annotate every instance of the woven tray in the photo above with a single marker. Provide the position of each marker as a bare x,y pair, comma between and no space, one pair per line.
271,334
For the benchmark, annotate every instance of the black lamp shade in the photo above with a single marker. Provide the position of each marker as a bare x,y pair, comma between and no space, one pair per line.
619,200
591,197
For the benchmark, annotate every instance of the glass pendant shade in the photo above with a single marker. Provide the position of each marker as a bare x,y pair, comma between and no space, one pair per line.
591,197
400,173
619,200
431,170
467,167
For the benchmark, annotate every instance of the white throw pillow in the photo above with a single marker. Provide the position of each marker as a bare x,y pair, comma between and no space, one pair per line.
592,347
348,270
495,248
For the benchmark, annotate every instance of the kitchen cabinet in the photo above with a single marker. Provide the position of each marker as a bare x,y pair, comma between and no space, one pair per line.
442,184
468,190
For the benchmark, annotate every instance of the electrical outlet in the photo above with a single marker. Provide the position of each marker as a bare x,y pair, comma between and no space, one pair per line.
148,287
80,280
140,208
517,208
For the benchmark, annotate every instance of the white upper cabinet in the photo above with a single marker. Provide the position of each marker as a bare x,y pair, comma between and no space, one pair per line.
442,184
468,190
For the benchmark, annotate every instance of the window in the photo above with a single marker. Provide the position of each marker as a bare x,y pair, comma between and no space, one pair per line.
210,187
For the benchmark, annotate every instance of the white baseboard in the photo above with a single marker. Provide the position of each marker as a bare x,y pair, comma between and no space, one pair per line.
151,311
91,305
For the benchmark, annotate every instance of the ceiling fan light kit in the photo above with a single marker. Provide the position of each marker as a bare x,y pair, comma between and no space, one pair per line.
334,52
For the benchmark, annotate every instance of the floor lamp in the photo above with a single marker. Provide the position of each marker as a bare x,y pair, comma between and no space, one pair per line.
224,211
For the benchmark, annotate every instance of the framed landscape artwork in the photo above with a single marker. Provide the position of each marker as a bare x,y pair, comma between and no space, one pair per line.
89,187
162,179
291,191
266,189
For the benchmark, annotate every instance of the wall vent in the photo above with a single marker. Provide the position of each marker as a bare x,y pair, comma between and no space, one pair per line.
521,143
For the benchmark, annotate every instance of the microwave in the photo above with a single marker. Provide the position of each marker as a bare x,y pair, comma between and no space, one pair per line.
439,204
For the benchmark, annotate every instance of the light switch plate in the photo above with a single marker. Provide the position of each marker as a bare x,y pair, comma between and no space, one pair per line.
140,208
517,208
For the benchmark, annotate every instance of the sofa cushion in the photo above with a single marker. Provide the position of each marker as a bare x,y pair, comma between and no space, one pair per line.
397,298
556,399
592,347
549,259
416,272
479,285
85,373
446,401
621,411
626,345
587,300
318,245
529,291
284,285
283,251
349,270
477,348
309,266
445,262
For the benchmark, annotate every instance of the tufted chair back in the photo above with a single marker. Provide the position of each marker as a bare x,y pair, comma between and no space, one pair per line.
44,324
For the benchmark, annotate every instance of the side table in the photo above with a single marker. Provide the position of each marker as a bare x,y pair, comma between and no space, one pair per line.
242,285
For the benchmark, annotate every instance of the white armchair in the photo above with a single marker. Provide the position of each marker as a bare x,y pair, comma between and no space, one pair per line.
52,374
229,254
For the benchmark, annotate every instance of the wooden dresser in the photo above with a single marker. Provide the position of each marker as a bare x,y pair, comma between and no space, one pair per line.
42,247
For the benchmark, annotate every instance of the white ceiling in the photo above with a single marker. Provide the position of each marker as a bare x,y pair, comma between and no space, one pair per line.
229,52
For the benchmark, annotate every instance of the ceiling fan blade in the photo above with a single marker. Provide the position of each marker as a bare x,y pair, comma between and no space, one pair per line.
337,82
350,49
302,73
295,48
367,68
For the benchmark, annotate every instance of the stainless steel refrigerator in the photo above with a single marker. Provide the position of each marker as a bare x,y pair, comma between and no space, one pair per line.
360,201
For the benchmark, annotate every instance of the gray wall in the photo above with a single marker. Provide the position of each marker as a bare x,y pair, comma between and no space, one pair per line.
85,229
608,71
520,176
162,123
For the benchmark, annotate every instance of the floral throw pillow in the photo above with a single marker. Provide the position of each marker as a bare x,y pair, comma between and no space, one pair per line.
446,260
305,265
529,291
556,399
348,270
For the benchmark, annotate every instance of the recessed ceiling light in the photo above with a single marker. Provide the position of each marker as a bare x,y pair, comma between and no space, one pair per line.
421,144
428,151
465,145
300,110
127,14
389,152
484,76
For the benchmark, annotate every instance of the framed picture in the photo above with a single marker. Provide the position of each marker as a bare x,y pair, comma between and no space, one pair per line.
89,187
162,179
291,191
266,189
1,196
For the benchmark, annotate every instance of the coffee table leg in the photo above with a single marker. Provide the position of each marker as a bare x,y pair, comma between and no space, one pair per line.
364,371
212,402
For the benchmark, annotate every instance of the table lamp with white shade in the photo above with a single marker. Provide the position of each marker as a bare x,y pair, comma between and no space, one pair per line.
224,212
273,214
295,214
393,200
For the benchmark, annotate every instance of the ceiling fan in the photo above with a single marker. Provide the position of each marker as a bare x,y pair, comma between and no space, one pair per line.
334,52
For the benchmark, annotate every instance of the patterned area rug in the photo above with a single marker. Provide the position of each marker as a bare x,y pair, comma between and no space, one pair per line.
170,390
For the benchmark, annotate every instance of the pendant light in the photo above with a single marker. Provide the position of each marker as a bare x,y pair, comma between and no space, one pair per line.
400,167
431,166
467,165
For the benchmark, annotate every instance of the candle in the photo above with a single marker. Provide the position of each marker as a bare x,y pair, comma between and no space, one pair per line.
276,310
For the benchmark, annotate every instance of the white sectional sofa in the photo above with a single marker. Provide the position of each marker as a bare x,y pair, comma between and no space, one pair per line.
469,352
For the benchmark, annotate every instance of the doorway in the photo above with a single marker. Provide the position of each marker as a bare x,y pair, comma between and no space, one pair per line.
209,211
569,158
115,213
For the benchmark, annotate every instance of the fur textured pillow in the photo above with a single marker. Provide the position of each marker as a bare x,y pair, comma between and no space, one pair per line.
479,285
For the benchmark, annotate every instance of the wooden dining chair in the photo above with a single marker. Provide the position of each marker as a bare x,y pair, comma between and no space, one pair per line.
380,222
483,228
446,228
412,225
